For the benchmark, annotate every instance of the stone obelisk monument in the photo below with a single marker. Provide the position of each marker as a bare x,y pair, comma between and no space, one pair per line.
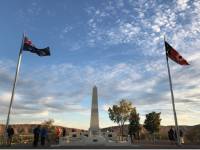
94,120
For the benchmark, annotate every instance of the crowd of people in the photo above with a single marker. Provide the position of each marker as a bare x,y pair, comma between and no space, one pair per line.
173,136
40,134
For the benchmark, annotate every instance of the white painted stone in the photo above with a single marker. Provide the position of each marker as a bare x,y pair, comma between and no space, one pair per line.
94,120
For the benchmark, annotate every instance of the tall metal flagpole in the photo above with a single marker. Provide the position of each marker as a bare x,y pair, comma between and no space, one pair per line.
14,83
172,96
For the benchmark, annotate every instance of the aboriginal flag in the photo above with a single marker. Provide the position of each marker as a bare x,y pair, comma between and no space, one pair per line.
174,55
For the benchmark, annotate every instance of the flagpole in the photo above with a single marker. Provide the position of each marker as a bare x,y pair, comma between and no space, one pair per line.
172,96
15,81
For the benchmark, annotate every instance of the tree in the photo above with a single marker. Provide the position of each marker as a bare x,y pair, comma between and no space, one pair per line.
152,123
48,123
51,129
120,113
134,124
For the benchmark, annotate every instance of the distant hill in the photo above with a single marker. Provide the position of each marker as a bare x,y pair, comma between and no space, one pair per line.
28,128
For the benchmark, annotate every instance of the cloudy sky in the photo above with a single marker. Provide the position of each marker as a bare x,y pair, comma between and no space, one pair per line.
116,45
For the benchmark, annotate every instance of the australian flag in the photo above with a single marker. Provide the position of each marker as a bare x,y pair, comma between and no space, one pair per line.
28,46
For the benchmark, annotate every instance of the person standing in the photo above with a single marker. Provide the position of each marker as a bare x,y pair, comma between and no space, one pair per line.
36,133
58,133
171,135
43,135
48,137
63,132
10,133
175,137
181,136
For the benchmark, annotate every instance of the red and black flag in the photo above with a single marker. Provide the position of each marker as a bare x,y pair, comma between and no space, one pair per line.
174,55
28,46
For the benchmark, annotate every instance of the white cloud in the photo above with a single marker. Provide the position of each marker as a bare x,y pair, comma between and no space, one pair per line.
5,97
67,29
105,107
43,113
182,4
156,28
120,3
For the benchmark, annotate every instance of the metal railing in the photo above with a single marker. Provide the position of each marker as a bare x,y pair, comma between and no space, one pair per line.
18,139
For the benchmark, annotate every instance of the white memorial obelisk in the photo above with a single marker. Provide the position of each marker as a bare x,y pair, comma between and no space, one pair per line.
94,120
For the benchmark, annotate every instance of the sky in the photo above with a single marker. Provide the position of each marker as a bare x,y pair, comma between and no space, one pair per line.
116,45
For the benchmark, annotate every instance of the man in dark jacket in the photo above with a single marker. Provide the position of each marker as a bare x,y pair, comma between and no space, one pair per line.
36,133
43,135
64,132
10,133
171,135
